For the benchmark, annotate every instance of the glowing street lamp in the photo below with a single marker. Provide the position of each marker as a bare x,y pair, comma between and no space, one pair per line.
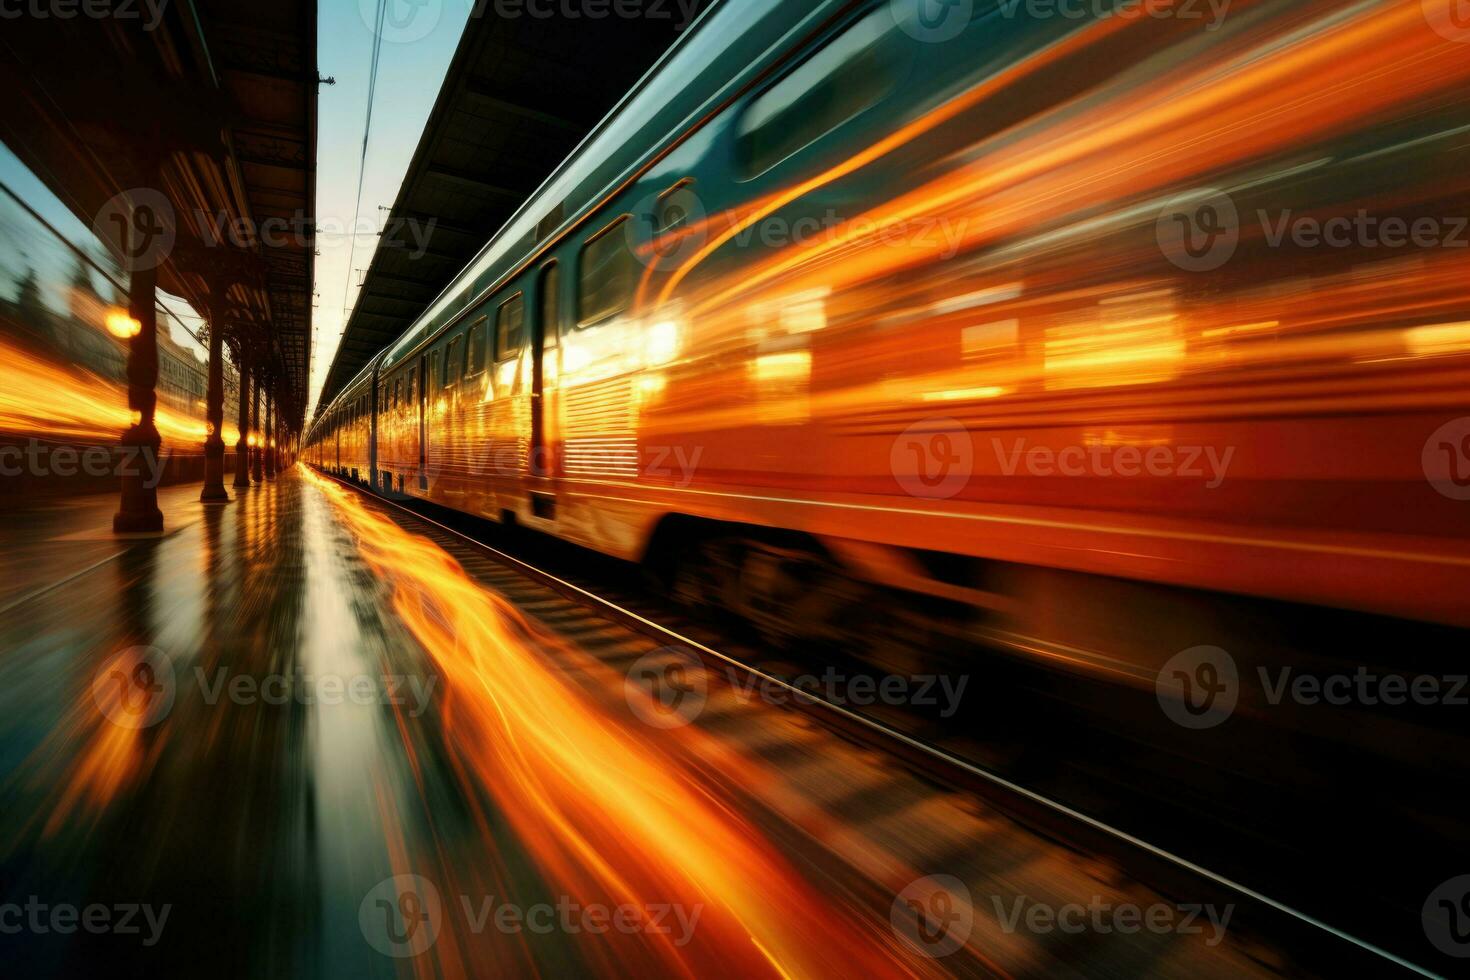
122,326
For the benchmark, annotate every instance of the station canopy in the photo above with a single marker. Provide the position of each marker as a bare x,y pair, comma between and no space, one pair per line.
211,104
520,94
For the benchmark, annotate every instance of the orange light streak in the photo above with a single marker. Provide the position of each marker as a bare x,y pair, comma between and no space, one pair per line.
930,121
594,799
1204,118
41,398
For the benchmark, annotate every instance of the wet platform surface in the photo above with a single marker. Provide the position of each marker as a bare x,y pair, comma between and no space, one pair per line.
294,737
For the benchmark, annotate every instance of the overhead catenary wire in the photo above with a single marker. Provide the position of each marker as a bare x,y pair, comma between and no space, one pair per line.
367,128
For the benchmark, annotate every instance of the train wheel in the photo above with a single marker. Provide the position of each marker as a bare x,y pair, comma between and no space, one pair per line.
706,577
885,632
790,595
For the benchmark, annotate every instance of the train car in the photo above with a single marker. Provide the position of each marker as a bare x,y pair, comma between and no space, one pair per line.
358,458
349,447
1019,319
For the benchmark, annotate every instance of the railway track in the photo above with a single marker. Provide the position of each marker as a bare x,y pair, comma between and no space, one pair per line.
894,807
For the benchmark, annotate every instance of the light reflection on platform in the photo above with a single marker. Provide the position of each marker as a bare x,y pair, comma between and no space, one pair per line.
502,767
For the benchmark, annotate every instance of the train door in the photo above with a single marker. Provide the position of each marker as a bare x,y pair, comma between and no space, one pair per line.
375,405
423,408
544,330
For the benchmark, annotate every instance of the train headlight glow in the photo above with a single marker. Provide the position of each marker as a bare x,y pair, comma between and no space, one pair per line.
1439,338
784,366
661,342
575,357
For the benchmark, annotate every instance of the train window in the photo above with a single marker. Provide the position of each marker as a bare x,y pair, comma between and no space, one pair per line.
412,375
608,276
549,282
510,327
475,353
397,392
852,72
675,207
452,363
434,379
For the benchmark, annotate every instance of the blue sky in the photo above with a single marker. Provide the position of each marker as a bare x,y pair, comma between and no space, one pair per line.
419,39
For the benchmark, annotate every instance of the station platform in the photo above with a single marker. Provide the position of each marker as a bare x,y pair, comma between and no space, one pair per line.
297,737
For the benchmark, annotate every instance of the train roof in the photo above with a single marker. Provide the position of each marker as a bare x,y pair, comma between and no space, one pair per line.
715,58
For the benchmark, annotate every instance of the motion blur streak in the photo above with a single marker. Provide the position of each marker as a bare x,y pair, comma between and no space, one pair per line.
110,758
99,759
43,399
590,798
1259,95
947,112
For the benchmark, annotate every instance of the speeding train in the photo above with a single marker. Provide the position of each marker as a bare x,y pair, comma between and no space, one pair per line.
1071,332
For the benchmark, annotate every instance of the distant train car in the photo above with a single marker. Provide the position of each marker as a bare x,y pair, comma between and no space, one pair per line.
1024,316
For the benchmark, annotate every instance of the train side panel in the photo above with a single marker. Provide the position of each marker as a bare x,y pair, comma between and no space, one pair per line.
982,341
1023,295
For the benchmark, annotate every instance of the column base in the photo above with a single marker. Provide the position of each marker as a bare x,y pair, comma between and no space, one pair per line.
138,511
213,491
242,467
